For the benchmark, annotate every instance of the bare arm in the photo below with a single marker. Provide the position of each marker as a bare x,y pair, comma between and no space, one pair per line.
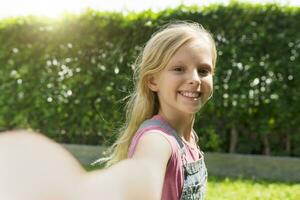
34,167
138,178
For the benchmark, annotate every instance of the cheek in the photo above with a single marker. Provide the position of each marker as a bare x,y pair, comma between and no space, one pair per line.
207,82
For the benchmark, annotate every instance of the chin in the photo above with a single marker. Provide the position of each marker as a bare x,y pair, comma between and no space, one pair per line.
193,110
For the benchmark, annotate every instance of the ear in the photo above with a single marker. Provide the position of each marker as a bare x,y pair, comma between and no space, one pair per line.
151,82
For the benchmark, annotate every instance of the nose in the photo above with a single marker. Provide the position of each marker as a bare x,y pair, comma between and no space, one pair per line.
194,78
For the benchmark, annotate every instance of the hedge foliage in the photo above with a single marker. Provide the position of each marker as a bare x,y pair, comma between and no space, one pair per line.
68,78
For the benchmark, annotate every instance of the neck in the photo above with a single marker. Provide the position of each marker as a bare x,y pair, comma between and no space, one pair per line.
183,124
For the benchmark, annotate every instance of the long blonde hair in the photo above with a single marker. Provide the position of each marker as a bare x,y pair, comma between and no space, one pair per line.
143,103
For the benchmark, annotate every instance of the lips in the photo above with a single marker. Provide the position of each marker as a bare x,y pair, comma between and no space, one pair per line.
190,94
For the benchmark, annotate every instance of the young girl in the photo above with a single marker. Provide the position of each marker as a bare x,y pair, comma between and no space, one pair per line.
156,155
174,79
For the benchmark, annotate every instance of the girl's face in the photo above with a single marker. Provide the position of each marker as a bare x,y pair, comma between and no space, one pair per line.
186,83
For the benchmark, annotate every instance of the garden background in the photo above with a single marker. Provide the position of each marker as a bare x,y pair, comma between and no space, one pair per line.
69,78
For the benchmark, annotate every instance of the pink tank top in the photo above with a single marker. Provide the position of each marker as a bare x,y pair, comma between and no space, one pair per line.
173,181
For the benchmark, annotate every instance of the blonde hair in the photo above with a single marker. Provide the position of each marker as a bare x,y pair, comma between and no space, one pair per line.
143,103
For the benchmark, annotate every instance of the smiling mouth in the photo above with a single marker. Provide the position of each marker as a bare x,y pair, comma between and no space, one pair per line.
192,95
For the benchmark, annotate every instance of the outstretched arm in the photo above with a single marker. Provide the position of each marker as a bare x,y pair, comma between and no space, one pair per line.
140,177
32,167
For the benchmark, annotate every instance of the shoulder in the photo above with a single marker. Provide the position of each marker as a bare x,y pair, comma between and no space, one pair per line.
152,154
152,134
154,145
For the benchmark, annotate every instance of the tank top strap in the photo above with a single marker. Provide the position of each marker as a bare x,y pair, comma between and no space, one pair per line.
167,128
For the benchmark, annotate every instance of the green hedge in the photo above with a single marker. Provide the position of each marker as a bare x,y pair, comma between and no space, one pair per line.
67,78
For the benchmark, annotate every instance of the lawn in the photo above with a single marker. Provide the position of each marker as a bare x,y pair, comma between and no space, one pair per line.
246,189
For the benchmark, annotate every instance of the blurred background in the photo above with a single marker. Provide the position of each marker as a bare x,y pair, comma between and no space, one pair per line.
66,68
55,8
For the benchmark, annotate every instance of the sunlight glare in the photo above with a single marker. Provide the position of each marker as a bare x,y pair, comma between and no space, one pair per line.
55,8
49,8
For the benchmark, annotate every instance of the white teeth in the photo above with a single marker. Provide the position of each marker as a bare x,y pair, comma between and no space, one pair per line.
191,94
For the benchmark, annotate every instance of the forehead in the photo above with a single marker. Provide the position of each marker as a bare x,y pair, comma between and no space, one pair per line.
194,51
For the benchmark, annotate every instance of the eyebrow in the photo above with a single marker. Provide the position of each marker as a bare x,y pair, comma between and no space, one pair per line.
201,64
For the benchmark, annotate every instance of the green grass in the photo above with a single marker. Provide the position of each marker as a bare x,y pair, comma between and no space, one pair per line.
246,189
